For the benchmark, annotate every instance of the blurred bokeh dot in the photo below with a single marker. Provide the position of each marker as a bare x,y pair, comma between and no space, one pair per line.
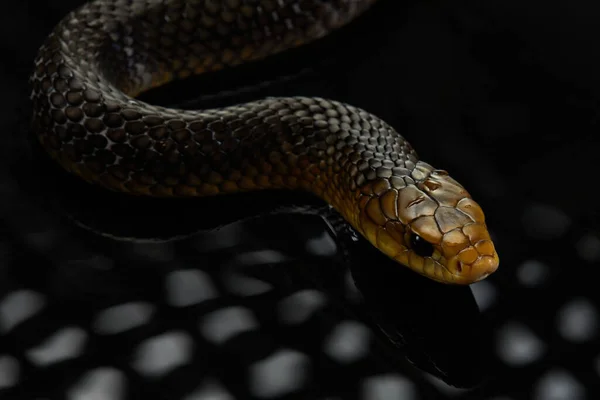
300,306
558,385
243,285
323,246
188,286
544,221
122,318
221,325
517,345
588,248
283,372
577,320
161,354
99,384
18,306
348,342
67,343
210,390
260,257
388,387
9,372
532,273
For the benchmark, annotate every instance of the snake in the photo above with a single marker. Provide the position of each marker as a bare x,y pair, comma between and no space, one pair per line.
87,115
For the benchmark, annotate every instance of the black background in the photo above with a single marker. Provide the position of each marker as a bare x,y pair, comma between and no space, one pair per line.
503,94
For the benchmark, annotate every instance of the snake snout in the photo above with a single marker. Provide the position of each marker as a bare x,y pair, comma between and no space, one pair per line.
485,263
480,269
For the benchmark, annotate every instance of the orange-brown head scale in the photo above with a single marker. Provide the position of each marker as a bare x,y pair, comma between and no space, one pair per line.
429,223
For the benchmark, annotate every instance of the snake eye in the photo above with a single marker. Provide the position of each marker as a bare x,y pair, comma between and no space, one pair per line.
420,246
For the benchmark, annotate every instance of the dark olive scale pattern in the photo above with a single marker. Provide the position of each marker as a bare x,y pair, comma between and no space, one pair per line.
85,115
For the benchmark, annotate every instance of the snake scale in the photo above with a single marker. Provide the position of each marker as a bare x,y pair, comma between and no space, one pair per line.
95,62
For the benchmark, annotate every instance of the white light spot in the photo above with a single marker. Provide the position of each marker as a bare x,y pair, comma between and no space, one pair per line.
517,345
222,325
323,246
68,343
348,342
543,221
485,294
99,384
161,354
188,287
283,372
19,306
578,320
532,273
389,387
588,248
243,285
122,318
300,306
558,385
210,390
9,372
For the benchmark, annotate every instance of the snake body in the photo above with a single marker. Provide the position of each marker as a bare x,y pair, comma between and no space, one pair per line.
95,62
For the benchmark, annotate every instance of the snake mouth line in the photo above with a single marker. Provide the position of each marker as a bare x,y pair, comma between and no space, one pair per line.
466,273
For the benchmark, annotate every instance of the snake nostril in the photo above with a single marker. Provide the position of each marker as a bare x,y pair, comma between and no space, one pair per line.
459,267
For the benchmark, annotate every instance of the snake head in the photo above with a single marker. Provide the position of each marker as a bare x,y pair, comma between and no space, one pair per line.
429,223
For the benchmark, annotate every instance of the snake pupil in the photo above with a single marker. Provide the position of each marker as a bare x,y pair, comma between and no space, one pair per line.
420,246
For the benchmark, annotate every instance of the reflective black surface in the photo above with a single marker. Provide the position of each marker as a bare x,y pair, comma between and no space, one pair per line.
502,94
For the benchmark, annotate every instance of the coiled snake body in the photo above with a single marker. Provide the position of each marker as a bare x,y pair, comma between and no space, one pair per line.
100,56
